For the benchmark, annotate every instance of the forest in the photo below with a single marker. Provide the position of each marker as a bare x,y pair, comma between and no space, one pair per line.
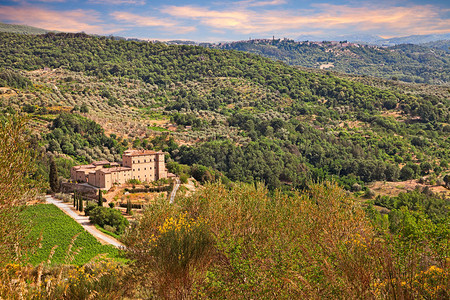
253,119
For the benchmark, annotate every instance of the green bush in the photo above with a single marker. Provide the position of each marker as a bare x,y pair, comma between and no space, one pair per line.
89,207
184,178
103,216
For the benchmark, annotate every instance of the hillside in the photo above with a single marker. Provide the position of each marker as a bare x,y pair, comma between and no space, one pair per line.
251,118
442,45
282,158
22,29
409,63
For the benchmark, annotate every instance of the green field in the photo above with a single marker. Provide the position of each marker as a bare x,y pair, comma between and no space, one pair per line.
57,228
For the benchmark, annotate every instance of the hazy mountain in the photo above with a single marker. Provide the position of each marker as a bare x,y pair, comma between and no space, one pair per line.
377,40
354,38
415,39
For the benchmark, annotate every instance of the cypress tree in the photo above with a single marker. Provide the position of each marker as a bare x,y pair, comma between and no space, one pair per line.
128,206
77,201
100,198
74,198
53,176
81,204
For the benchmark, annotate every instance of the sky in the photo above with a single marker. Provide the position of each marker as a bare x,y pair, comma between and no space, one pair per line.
215,21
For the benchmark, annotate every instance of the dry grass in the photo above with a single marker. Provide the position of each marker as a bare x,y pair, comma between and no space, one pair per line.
392,189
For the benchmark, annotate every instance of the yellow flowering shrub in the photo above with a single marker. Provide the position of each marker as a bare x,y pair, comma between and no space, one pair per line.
179,243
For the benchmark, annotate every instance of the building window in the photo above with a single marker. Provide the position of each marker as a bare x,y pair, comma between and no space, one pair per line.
145,168
139,161
139,169
144,160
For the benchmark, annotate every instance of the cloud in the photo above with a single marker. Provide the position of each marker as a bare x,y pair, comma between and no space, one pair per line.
392,20
255,3
146,21
117,2
68,21
217,19
50,1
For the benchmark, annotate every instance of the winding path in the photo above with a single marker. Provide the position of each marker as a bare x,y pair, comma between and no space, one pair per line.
174,191
84,221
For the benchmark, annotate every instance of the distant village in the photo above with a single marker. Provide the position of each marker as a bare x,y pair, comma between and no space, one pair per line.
331,44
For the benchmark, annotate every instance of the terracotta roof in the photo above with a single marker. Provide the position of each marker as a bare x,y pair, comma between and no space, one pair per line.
133,153
83,167
100,163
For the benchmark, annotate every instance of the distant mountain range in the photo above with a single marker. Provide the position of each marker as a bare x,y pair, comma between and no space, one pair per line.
377,40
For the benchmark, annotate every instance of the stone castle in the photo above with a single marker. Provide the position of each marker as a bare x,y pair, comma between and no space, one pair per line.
143,165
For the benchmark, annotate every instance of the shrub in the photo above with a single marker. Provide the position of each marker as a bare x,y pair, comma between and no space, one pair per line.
89,207
109,228
133,181
314,244
109,216
369,194
179,247
184,178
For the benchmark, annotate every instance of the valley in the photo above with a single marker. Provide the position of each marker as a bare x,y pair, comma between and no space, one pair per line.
293,179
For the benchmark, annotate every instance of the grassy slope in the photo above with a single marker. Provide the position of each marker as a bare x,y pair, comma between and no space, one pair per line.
58,229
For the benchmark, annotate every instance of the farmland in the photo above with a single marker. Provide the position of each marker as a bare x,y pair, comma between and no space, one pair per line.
58,229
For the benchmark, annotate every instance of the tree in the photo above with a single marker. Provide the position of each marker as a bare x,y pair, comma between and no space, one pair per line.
84,108
129,206
80,206
16,185
425,167
406,173
100,198
447,180
53,176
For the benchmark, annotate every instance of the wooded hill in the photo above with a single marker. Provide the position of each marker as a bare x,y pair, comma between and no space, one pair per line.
252,119
407,62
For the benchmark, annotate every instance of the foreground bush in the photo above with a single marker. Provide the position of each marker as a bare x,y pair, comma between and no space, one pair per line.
315,244
98,279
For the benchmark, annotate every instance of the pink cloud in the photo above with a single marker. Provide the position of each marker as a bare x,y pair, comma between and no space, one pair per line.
419,19
144,21
68,21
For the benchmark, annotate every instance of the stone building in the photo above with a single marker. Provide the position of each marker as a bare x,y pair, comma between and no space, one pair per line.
143,165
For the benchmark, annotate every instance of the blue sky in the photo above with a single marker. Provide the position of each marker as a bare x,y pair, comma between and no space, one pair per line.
231,20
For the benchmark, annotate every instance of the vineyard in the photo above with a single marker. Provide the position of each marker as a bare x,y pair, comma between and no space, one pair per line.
58,229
